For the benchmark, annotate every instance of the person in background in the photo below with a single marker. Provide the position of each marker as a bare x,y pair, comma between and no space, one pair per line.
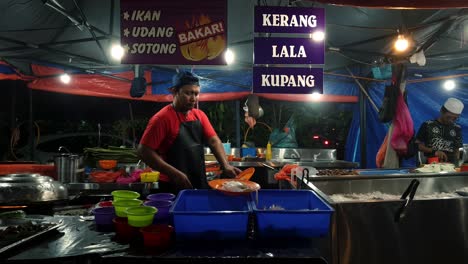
173,141
442,137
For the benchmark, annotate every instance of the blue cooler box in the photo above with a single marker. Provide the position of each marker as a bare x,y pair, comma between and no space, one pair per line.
210,215
291,213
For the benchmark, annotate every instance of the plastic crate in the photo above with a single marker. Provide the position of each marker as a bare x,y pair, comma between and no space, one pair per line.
210,215
302,214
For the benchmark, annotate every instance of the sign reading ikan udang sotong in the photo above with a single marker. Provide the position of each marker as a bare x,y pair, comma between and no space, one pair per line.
285,50
174,32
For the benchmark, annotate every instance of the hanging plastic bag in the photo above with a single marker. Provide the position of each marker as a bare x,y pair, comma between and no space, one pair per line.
403,127
285,138
388,108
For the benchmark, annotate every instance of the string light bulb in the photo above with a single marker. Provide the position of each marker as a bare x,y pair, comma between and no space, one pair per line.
401,44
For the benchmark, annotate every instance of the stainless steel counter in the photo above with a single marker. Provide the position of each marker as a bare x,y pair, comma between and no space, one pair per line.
338,164
369,229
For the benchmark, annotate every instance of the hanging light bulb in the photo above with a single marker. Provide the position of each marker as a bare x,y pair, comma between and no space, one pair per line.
449,85
317,36
65,78
315,96
117,52
401,44
229,56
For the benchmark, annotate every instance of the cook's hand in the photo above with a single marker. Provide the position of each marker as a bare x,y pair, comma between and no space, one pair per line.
182,182
442,156
230,171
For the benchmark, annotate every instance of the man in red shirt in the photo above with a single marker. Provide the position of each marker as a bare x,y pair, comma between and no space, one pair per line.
174,139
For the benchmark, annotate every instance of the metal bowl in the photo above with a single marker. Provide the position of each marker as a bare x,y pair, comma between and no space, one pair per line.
26,188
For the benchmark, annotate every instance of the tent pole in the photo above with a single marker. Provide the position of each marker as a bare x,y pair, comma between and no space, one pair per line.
30,126
237,116
362,125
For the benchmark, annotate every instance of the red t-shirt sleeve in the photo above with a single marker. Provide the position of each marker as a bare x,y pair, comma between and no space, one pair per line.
155,132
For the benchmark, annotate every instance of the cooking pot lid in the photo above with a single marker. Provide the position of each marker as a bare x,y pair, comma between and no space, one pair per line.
67,155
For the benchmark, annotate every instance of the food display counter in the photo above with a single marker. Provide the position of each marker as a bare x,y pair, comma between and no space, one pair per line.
396,217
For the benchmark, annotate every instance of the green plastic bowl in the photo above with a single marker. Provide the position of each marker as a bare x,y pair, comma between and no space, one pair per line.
124,195
122,205
141,216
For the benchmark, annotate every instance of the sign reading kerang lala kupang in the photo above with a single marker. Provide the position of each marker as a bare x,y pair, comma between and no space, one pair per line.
174,32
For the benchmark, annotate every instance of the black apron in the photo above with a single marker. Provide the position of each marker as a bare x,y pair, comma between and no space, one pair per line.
186,153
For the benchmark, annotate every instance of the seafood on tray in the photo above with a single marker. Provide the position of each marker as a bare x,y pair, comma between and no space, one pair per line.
235,186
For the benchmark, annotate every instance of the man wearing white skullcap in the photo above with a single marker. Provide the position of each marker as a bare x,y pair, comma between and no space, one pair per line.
442,137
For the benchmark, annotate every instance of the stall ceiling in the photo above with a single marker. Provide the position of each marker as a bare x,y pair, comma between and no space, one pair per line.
55,31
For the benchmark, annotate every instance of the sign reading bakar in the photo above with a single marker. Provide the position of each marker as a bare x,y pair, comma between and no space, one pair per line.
288,51
287,80
277,19
181,32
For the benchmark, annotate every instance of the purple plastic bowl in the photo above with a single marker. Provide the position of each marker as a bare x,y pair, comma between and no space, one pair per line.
163,210
161,197
104,215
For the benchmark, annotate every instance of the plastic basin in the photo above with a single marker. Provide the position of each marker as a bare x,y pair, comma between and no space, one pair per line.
291,214
157,236
123,231
161,197
103,218
162,216
141,216
107,164
210,215
124,195
122,205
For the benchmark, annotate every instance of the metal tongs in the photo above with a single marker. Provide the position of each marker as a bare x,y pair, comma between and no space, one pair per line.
411,191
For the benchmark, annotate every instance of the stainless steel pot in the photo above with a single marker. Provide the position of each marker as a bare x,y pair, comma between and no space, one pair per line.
69,167
26,188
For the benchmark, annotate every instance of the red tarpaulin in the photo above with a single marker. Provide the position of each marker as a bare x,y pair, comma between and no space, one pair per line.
46,78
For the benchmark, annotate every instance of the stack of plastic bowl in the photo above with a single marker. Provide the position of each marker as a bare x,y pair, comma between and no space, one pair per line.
105,204
157,237
162,216
123,231
124,195
141,216
121,206
161,197
103,217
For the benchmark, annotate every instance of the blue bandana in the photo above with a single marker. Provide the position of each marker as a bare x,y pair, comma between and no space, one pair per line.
184,78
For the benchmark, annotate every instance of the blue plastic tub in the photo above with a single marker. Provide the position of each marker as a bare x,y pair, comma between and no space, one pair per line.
298,213
210,215
248,152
